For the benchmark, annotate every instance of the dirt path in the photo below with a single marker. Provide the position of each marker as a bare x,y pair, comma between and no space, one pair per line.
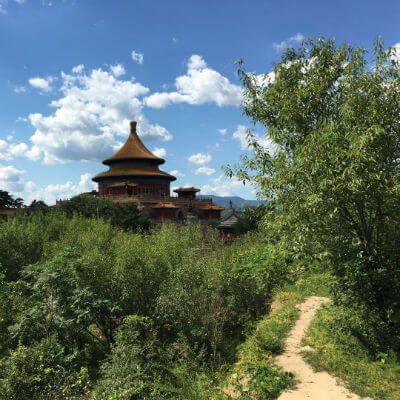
313,385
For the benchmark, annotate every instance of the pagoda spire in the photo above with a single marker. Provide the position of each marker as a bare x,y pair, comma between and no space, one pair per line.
134,149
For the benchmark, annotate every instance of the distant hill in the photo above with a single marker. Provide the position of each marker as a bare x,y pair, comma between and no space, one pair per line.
237,202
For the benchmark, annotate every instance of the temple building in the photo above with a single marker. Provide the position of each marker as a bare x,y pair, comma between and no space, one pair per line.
134,176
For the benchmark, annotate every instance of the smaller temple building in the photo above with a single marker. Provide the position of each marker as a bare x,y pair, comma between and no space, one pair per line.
134,176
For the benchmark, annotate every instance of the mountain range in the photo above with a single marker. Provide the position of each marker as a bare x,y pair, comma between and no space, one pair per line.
237,202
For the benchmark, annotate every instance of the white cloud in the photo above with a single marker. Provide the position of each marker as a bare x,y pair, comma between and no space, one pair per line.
117,70
222,131
205,170
175,172
10,178
137,57
2,9
200,158
160,152
12,181
22,119
78,69
10,150
297,38
95,107
223,186
20,89
200,85
241,135
43,84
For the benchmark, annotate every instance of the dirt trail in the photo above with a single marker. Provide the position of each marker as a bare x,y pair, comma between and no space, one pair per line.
313,385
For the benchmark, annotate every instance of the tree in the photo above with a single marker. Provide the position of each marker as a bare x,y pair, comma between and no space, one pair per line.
38,205
7,201
126,216
334,121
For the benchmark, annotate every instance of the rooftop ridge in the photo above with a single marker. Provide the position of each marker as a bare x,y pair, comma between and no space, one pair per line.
133,149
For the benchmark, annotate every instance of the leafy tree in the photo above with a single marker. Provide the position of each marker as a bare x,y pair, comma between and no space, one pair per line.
126,216
7,201
251,218
333,116
38,205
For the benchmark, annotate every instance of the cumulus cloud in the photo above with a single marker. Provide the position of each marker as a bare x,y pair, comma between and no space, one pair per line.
137,57
11,180
200,85
200,158
20,89
10,150
205,170
78,69
175,172
43,84
297,38
222,186
94,109
160,152
117,70
241,135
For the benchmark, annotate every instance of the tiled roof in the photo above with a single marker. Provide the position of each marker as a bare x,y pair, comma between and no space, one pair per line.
212,207
187,189
133,149
134,171
164,205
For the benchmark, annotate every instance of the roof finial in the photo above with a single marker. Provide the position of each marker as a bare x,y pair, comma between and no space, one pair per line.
133,127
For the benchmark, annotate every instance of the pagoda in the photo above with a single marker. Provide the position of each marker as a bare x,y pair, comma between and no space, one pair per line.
134,176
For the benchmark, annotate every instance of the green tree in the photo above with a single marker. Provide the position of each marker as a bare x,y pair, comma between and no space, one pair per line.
332,113
38,205
7,201
125,216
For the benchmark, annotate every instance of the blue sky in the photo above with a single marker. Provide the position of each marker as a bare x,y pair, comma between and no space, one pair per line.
74,72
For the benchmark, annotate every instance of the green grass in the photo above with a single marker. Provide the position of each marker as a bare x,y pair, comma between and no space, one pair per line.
341,354
255,376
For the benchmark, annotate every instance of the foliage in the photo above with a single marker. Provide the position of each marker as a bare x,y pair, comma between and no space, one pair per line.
41,371
38,205
171,304
251,218
126,216
341,340
7,201
334,171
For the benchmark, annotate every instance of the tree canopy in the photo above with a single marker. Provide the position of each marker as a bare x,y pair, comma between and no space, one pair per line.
8,201
332,115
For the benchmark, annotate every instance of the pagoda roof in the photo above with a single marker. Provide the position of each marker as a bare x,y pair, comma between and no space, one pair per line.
165,205
186,189
133,149
210,207
228,222
133,171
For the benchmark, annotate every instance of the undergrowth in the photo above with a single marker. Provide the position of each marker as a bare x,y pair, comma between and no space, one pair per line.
340,350
255,376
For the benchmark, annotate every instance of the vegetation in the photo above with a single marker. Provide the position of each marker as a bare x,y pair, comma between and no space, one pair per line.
8,201
96,305
84,304
332,115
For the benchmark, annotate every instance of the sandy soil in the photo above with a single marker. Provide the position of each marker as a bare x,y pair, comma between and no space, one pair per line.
313,385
